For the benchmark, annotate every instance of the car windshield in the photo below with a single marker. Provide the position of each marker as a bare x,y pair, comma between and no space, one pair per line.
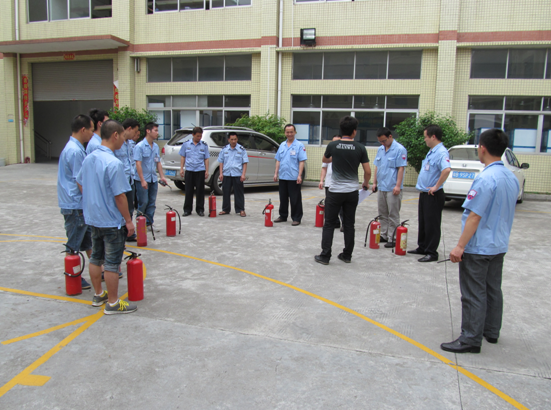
464,154
180,137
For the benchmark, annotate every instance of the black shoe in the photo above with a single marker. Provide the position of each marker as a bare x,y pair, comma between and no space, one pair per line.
201,213
344,258
390,245
132,238
383,240
322,260
492,340
280,219
459,347
186,213
417,252
295,223
428,258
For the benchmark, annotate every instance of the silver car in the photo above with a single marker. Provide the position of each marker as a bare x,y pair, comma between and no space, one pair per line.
260,149
466,166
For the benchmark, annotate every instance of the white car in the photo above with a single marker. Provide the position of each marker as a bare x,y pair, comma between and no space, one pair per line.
466,166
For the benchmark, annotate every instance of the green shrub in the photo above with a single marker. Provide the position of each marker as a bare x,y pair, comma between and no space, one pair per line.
269,124
143,117
410,135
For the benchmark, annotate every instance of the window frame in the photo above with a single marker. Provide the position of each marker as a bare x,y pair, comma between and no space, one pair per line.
546,64
68,2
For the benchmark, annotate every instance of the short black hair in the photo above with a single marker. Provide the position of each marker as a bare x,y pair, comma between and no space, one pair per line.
98,116
232,133
109,127
348,125
383,131
434,130
150,125
197,130
495,141
290,125
79,122
130,123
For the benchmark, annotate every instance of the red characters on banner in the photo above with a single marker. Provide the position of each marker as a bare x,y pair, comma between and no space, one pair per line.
115,96
25,86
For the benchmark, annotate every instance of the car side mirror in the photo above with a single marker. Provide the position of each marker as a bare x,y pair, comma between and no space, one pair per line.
525,165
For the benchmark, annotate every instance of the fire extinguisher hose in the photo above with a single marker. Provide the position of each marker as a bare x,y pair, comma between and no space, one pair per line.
179,219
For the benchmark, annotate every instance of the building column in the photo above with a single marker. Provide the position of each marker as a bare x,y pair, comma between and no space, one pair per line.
9,137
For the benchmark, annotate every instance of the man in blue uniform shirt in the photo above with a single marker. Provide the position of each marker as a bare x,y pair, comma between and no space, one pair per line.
434,172
99,117
195,157
290,159
486,226
125,155
69,196
390,165
233,161
104,186
148,162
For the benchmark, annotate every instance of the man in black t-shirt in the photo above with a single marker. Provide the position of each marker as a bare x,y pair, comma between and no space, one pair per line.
345,155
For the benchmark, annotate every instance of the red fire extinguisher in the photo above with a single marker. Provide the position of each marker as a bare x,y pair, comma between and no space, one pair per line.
73,271
374,233
320,214
171,221
267,212
134,274
142,229
212,205
400,237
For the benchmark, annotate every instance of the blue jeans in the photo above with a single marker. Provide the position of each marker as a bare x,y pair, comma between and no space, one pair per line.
108,247
146,199
78,233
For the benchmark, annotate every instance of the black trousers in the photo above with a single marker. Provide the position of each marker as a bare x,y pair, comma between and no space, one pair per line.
194,181
290,190
334,202
338,224
238,194
430,219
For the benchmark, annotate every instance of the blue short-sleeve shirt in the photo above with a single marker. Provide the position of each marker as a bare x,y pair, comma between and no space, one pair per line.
493,196
388,162
70,162
149,155
233,160
93,144
195,155
102,178
123,154
131,146
289,159
435,162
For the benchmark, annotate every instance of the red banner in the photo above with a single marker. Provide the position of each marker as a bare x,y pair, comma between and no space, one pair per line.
25,81
115,96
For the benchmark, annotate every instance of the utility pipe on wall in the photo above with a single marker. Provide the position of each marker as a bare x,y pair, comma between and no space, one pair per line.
280,36
19,101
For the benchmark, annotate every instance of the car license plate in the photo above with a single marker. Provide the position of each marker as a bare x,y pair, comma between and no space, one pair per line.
170,173
463,175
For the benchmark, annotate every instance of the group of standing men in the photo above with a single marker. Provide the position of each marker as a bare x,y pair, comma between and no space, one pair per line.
97,189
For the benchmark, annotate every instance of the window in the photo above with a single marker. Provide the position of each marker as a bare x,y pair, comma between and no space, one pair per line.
525,119
317,117
360,66
205,68
159,6
179,111
51,10
510,63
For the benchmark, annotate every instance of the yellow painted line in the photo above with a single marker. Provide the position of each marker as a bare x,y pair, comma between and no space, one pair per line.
45,331
43,295
25,378
534,212
32,236
424,348
32,240
411,199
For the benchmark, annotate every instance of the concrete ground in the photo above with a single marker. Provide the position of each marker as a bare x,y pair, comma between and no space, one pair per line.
239,316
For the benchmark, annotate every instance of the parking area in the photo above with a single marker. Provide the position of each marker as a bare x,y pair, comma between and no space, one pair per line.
240,316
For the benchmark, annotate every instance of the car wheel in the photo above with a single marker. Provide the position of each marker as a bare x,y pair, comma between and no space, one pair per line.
520,200
216,185
180,185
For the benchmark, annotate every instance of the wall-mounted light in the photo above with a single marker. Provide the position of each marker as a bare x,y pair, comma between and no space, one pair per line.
137,65
307,36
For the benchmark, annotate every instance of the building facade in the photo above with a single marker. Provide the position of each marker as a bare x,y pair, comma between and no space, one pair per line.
207,62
